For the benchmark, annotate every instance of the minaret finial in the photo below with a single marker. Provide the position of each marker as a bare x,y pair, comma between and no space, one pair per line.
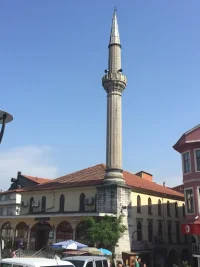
115,9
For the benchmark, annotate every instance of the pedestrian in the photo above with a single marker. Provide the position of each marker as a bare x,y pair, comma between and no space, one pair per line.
119,264
13,255
139,261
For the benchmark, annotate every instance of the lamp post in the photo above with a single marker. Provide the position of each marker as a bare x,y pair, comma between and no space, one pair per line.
4,118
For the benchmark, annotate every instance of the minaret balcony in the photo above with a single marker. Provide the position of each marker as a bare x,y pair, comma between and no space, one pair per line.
114,82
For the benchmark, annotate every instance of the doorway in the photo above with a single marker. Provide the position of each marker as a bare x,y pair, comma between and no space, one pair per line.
40,233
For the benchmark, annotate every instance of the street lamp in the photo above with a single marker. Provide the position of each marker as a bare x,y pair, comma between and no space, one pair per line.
4,118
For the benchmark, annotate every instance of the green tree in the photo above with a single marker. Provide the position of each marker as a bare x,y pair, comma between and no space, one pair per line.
103,231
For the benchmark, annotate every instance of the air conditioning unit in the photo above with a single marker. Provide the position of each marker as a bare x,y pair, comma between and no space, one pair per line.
36,203
89,201
24,203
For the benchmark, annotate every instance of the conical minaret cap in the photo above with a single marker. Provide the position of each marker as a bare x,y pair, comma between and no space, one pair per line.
114,34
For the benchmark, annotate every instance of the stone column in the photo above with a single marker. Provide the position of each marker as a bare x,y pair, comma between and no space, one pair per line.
74,233
28,238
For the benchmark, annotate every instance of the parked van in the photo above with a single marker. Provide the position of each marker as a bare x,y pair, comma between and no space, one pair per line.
87,261
34,262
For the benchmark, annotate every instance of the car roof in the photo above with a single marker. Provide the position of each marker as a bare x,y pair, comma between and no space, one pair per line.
83,258
36,261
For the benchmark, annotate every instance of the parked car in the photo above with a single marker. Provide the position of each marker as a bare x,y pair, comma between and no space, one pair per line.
34,262
87,261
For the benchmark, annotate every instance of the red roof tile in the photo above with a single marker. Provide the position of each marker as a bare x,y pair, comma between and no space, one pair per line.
36,179
95,175
12,191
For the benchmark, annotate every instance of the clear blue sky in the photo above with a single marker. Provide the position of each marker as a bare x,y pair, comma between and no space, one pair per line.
52,58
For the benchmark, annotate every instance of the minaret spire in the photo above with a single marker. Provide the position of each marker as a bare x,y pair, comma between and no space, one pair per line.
114,82
114,34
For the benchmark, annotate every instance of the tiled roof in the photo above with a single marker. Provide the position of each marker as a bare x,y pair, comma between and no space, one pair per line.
95,175
36,179
12,191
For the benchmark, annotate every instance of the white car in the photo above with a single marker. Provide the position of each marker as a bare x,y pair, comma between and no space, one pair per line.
34,262
87,261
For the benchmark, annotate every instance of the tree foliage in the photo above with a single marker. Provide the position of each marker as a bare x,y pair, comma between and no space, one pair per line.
103,231
184,264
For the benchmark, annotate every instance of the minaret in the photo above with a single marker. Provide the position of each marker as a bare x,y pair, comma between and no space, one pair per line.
114,82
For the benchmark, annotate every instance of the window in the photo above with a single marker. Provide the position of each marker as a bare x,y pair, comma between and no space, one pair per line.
186,162
183,208
160,232
138,204
31,204
98,263
176,209
105,263
62,203
197,158
168,209
11,211
189,200
169,232
159,208
139,231
177,232
89,264
82,202
150,231
149,206
6,264
185,239
1,211
43,205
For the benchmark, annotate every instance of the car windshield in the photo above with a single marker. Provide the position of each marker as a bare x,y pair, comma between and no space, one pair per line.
77,263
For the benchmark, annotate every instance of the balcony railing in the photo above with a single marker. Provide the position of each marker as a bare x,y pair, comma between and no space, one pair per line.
195,250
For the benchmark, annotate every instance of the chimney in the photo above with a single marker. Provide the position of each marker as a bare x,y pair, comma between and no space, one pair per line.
164,184
145,175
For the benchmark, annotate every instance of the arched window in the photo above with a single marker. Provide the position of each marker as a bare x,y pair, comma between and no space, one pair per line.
62,203
150,231
149,206
31,204
138,204
43,205
169,232
139,231
7,231
176,209
168,209
159,208
64,231
160,233
183,207
21,230
82,202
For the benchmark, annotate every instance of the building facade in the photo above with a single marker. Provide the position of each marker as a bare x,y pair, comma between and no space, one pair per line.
53,211
189,148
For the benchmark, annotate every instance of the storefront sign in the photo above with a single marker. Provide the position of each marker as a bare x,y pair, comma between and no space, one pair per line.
42,219
139,245
190,229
